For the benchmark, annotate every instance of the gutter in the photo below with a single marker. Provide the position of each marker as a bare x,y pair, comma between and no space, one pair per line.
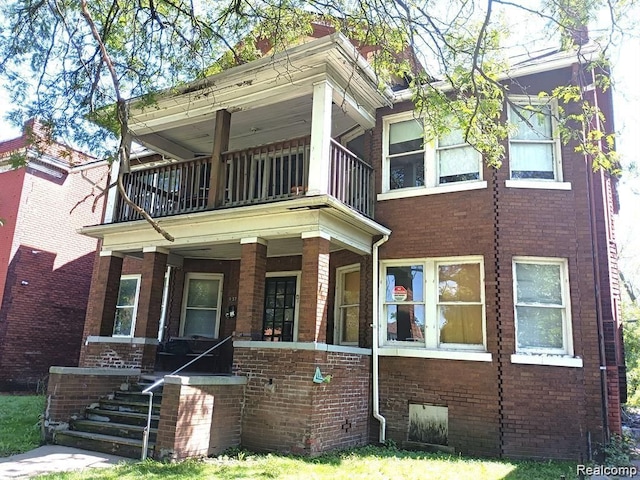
376,340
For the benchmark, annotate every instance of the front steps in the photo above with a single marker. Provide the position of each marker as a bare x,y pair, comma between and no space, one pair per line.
115,424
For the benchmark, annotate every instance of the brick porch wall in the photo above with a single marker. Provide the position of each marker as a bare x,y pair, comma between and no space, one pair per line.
199,416
119,355
286,411
71,390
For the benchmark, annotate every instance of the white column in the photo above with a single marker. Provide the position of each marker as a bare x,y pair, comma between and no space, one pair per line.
320,139
112,194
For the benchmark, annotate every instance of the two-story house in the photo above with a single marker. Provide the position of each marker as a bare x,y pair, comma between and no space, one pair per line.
45,265
366,284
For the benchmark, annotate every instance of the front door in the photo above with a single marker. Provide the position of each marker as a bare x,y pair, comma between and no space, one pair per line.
279,309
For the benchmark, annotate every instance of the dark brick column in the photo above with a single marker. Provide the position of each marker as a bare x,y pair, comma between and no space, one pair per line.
154,266
103,296
253,268
312,320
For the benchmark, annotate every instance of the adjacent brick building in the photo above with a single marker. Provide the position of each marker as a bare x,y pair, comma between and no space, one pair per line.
45,265
375,285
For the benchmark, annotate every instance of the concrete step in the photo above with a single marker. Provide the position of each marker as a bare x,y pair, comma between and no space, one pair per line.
129,418
139,397
114,429
129,406
125,447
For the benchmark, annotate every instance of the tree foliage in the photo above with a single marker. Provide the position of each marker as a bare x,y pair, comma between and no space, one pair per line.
74,63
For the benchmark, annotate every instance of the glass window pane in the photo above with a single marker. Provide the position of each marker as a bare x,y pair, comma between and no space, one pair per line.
460,324
405,136
409,277
538,283
406,171
351,288
200,322
350,324
405,322
458,162
127,292
536,124
534,160
459,283
539,327
123,322
454,137
203,293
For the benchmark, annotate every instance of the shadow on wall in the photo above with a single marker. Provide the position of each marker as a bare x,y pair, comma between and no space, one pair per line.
41,317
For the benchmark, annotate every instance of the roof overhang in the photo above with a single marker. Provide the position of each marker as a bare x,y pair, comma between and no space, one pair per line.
219,232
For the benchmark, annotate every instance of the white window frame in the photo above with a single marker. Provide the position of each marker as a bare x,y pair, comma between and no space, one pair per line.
567,331
557,182
134,316
291,273
183,310
338,326
430,302
431,166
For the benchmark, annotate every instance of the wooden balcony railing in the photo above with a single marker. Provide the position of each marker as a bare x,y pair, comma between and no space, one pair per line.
351,179
256,175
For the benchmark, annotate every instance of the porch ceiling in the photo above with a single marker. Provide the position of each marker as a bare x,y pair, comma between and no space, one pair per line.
217,233
270,99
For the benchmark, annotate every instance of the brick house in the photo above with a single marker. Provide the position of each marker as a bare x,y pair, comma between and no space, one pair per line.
373,285
45,265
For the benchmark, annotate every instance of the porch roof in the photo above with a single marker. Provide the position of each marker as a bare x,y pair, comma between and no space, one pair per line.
268,98
217,233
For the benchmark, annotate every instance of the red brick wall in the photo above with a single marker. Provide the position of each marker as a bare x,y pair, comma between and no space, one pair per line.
532,411
10,192
70,393
286,411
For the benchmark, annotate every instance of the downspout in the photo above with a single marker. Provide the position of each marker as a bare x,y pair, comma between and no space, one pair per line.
376,340
597,279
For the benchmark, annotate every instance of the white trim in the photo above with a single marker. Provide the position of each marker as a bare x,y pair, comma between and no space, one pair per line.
337,319
110,253
316,234
250,240
567,331
541,184
296,313
134,314
121,339
549,360
420,191
312,346
351,134
439,354
103,371
155,249
185,293
320,150
204,380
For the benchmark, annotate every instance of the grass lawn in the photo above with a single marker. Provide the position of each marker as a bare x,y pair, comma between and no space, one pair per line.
363,463
19,423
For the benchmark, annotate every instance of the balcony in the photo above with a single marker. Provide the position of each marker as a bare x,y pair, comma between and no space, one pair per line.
269,173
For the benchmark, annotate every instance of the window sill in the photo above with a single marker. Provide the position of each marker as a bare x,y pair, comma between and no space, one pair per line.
549,360
420,191
540,184
121,339
470,355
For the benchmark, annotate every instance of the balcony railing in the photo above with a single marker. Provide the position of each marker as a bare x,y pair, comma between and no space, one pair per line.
257,175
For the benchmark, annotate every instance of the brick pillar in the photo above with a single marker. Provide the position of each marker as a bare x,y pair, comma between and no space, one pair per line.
103,296
312,320
154,266
253,268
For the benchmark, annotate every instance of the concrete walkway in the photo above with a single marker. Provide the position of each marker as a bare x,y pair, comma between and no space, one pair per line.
52,459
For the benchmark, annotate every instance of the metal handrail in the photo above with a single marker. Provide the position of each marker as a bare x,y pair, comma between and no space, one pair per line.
148,391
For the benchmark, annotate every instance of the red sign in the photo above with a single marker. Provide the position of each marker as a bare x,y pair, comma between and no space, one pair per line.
399,293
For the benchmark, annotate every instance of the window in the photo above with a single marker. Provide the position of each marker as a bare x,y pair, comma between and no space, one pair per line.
542,315
412,166
347,316
534,148
279,323
127,306
201,305
434,303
